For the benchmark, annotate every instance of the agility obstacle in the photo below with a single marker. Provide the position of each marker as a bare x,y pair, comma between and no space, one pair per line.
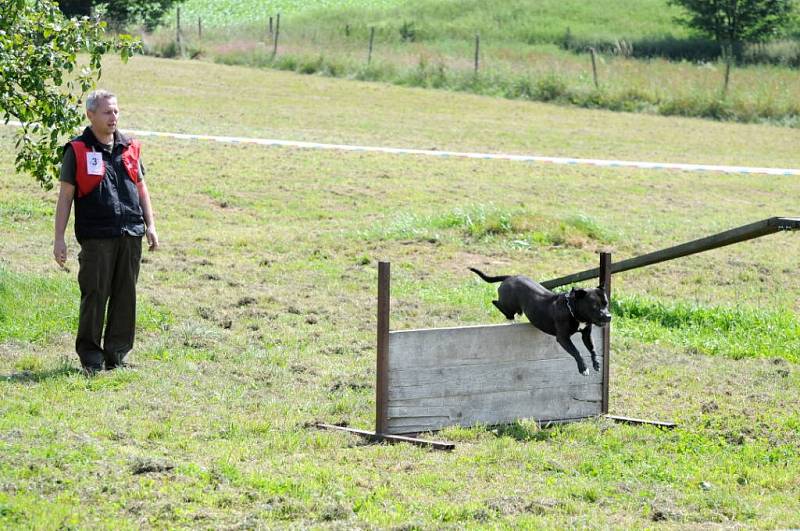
429,379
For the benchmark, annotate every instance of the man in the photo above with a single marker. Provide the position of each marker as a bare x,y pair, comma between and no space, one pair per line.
102,173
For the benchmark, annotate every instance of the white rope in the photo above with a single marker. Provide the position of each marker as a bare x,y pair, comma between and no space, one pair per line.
459,154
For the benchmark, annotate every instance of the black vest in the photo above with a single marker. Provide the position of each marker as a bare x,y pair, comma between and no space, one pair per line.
112,209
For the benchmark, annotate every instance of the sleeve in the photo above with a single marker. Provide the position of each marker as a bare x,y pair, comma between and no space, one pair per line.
68,167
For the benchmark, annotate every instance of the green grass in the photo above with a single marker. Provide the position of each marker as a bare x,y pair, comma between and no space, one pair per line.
262,317
545,21
33,309
518,227
736,332
215,13
530,51
36,309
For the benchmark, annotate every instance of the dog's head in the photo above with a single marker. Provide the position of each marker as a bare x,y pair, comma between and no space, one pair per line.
591,305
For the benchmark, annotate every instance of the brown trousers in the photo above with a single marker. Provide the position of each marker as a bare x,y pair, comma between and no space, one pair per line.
109,269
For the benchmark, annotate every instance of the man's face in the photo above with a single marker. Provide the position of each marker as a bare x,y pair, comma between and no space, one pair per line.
104,118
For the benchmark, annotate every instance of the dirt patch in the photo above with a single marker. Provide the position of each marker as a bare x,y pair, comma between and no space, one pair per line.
148,465
245,301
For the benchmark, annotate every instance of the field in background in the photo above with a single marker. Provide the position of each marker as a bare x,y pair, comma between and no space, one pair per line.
529,50
541,22
257,317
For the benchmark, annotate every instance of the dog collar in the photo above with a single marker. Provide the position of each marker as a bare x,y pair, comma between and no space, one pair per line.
569,307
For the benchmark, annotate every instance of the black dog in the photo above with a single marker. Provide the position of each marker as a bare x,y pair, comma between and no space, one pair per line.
558,315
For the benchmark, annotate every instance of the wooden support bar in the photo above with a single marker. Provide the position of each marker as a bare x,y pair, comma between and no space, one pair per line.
605,283
382,367
639,422
736,235
381,437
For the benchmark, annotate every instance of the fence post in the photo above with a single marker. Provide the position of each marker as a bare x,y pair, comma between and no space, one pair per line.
477,51
594,67
270,27
277,33
371,39
605,283
199,28
178,30
382,368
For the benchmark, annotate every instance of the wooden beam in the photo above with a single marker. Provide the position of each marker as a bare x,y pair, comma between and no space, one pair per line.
382,367
729,237
381,437
639,422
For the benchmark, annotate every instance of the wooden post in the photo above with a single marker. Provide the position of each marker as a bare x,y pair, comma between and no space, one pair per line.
199,28
477,51
382,368
371,39
605,283
270,27
594,67
277,33
178,30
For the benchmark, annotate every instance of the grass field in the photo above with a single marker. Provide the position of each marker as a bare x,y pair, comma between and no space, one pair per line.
530,50
258,317
544,21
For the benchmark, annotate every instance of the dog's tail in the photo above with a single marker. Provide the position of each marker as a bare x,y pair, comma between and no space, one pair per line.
488,278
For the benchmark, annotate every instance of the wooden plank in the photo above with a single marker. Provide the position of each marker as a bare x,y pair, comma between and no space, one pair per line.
486,375
476,345
729,237
639,422
381,437
457,407
463,380
499,408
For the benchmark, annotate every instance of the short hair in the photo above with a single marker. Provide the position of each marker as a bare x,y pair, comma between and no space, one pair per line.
96,96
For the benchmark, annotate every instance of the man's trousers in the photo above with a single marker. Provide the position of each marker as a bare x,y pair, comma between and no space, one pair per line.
109,269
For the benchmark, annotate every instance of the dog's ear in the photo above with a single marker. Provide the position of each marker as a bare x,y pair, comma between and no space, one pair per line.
579,293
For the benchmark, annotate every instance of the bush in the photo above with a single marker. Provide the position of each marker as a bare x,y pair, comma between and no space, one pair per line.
550,88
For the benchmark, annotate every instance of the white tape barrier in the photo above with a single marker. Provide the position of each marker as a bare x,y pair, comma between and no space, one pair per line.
458,154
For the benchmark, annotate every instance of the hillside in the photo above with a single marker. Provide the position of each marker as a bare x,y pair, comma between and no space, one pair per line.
257,317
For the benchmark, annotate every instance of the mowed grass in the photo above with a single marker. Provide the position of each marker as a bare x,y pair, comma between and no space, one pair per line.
264,303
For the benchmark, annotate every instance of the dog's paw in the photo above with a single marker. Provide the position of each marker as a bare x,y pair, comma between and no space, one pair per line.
584,372
596,366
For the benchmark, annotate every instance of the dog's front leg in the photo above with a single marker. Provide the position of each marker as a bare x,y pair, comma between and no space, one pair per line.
566,342
586,335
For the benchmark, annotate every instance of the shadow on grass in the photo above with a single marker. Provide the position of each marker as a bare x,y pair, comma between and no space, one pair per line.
526,432
39,376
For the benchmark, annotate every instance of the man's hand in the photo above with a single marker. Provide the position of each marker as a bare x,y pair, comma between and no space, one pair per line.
60,252
152,237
